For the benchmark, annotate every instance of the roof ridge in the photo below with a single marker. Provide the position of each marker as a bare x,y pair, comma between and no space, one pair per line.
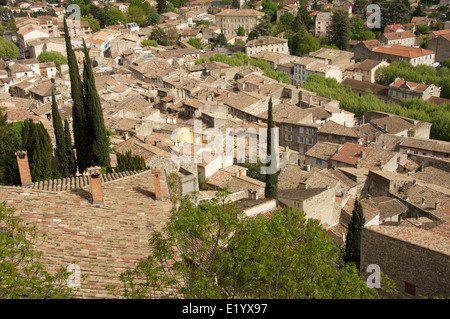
77,182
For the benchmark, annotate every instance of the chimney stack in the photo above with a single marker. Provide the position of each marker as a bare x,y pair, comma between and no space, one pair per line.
157,180
436,205
24,167
95,177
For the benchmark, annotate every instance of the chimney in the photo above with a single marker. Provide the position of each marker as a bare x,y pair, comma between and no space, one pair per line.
95,177
436,205
24,167
385,127
157,179
423,200
308,168
363,153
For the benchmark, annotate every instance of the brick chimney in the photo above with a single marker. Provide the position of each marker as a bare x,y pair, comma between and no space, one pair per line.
95,177
157,179
24,167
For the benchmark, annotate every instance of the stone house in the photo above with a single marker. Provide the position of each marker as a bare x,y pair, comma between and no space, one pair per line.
267,43
401,89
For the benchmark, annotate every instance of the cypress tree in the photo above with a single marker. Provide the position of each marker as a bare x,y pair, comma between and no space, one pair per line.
271,189
37,143
61,152
80,132
94,114
71,163
353,242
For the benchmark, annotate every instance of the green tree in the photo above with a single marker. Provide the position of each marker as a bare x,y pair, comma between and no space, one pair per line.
37,142
446,63
129,162
153,18
271,188
303,42
136,14
240,32
8,50
149,43
269,8
263,28
254,170
161,5
94,24
353,242
212,251
94,115
81,137
437,115
357,28
114,15
235,4
10,140
22,275
286,19
340,29
159,36
72,164
195,42
99,14
61,151
52,56
221,40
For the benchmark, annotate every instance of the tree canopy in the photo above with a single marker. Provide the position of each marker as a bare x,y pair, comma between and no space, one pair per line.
8,50
22,274
340,29
213,251
437,115
52,56
239,58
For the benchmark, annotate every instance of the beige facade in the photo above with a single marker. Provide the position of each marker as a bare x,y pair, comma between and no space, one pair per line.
230,20
270,44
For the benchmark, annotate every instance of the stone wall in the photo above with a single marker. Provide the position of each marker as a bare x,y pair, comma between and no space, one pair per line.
405,262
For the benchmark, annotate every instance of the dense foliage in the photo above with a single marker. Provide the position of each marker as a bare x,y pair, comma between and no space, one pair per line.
10,140
271,187
353,242
8,50
22,275
340,29
212,251
437,115
129,162
239,59
37,142
91,140
52,56
420,73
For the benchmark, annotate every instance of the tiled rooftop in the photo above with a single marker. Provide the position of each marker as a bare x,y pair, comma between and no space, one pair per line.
105,241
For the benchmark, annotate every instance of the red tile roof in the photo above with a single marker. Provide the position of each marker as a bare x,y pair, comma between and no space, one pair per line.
403,51
350,153
413,86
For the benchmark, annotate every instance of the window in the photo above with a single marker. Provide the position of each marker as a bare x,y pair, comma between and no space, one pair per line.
410,289
289,128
